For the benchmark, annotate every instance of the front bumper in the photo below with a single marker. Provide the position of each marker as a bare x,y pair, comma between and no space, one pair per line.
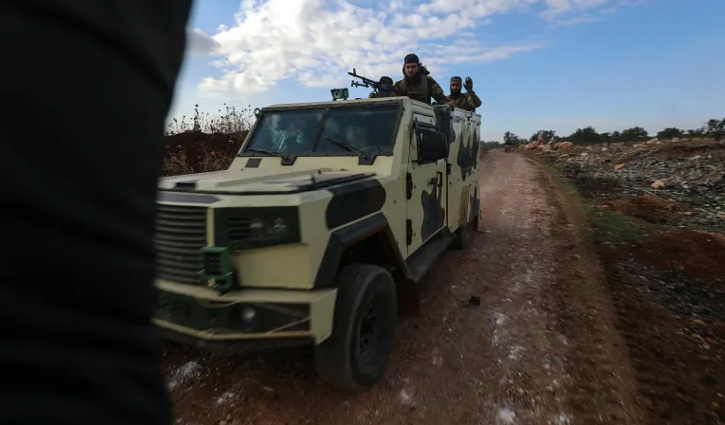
193,313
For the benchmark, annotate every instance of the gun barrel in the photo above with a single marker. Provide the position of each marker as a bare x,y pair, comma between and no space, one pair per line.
366,82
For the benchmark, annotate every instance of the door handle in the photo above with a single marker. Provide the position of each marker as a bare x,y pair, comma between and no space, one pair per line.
440,179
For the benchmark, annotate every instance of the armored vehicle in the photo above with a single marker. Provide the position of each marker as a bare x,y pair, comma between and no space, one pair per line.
319,231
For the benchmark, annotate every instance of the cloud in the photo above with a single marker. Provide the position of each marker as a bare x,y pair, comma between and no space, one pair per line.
576,20
315,42
200,43
557,8
476,8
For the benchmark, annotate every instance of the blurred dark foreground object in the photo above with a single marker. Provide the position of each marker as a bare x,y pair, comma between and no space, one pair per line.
85,89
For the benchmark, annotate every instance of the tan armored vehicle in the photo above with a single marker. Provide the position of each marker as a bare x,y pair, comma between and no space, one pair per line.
319,230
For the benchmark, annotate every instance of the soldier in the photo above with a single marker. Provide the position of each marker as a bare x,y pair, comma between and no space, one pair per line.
417,83
385,88
469,101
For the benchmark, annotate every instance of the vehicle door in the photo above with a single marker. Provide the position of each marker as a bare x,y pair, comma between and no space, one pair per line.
426,185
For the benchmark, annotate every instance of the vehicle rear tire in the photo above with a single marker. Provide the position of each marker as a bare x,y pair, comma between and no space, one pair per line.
356,355
464,235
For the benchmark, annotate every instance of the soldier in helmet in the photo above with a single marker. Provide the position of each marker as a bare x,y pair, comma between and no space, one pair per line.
385,88
417,83
468,101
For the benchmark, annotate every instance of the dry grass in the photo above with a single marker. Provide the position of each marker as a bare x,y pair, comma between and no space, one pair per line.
205,142
230,122
176,164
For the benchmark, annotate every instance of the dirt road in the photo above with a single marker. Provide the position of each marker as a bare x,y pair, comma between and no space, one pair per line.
540,348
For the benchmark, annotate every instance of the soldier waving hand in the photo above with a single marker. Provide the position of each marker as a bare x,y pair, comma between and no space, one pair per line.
469,101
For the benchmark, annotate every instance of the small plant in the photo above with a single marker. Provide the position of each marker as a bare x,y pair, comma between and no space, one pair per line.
230,122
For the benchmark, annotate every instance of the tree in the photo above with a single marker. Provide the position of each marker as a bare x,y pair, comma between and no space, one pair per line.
548,135
490,144
616,137
585,136
605,137
510,137
635,134
716,129
697,132
669,133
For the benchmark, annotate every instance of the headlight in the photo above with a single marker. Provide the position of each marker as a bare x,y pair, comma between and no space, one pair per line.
279,228
276,228
246,228
256,224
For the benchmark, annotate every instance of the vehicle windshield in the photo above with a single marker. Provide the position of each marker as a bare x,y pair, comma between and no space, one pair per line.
324,131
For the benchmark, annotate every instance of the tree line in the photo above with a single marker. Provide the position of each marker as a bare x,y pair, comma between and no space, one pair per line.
713,128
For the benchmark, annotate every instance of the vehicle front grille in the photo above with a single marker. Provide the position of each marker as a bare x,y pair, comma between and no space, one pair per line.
180,234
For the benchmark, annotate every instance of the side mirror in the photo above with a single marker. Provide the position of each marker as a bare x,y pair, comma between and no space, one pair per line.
432,145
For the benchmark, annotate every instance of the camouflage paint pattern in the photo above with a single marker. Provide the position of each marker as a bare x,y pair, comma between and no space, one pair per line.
428,191
463,181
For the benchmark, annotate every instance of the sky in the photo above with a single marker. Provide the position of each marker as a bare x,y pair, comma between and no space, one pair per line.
536,64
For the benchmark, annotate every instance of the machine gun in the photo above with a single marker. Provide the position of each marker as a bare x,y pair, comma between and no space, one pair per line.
366,82
384,85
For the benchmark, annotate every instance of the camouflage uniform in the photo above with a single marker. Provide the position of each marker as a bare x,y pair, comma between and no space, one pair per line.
420,87
469,101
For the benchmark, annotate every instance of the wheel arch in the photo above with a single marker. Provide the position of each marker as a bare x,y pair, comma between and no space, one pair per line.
371,241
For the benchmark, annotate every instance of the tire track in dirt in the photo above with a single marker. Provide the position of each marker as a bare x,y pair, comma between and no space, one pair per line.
539,349
599,363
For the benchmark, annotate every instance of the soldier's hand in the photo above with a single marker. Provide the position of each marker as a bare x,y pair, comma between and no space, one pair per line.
469,84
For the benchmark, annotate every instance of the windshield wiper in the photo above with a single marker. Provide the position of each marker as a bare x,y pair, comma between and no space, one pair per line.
344,146
264,151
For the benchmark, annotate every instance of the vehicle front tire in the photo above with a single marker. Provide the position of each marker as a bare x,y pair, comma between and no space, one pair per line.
356,355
